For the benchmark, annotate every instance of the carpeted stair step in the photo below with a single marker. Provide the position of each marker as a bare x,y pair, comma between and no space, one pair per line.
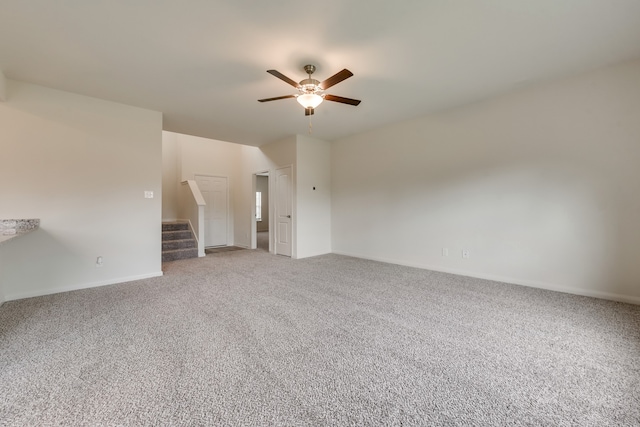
175,226
176,235
171,245
177,254
177,241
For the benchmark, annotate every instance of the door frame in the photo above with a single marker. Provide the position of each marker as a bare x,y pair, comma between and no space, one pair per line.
253,240
230,240
253,244
272,213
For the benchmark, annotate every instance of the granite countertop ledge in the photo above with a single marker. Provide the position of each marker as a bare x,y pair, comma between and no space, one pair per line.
10,228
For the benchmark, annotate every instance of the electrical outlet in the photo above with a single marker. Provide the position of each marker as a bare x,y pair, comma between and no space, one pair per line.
445,251
99,262
148,194
465,253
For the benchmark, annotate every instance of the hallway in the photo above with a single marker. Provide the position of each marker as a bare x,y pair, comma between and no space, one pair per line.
262,238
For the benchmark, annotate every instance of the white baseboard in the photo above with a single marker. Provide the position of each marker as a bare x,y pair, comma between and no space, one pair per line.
42,292
530,283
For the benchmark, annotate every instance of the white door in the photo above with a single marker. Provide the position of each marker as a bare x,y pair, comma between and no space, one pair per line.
283,211
214,190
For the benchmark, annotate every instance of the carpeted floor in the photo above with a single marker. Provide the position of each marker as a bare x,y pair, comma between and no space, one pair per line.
262,240
248,338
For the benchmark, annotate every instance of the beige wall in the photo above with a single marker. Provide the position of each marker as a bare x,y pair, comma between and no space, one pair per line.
542,186
170,176
313,196
82,166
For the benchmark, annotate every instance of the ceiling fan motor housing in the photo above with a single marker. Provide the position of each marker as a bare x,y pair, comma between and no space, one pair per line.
310,86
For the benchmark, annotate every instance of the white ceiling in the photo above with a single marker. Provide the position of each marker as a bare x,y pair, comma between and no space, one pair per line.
203,62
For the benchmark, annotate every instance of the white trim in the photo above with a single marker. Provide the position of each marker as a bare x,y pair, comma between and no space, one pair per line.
253,228
201,248
273,216
197,195
43,292
510,280
198,232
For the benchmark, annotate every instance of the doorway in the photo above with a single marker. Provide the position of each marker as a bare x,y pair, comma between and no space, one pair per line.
215,191
279,206
262,211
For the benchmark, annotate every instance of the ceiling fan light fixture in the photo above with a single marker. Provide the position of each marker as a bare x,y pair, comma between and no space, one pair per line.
311,92
309,100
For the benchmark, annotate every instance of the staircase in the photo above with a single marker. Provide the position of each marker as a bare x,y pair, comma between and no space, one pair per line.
178,242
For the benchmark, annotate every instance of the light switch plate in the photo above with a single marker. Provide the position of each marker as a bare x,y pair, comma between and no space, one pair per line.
148,194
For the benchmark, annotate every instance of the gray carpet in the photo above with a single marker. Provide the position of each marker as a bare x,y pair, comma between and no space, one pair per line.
262,240
247,338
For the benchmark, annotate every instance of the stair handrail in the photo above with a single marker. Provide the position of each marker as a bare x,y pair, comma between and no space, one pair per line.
191,209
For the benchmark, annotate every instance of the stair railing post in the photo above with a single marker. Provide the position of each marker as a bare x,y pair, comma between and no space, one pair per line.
192,208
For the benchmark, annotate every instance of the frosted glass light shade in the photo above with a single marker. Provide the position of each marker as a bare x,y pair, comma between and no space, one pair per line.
309,100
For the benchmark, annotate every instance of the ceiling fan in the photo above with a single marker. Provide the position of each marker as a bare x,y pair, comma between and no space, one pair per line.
311,91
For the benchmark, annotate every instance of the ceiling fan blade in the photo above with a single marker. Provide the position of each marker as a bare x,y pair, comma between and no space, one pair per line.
335,79
276,98
284,78
342,100
308,111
